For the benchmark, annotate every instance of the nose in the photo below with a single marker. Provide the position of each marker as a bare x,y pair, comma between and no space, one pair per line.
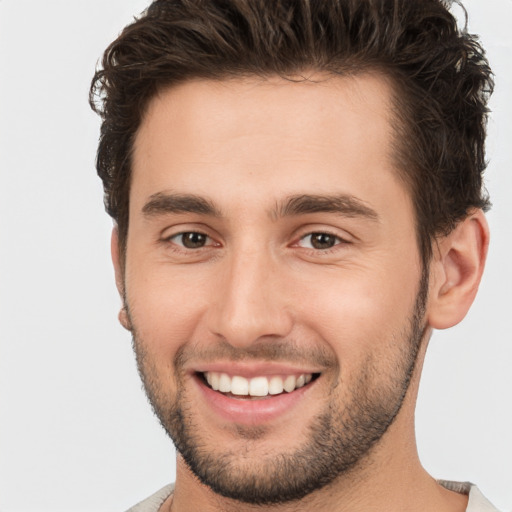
252,301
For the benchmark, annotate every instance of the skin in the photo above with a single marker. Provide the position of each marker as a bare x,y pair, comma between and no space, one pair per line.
245,147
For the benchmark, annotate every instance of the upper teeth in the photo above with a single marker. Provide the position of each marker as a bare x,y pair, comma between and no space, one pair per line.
257,386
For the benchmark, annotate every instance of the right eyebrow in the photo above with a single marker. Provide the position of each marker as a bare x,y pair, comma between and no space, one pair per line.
162,203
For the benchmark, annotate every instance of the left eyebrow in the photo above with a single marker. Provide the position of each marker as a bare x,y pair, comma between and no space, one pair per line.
344,204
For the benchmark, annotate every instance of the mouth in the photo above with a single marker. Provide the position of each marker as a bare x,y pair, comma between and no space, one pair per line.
258,387
255,393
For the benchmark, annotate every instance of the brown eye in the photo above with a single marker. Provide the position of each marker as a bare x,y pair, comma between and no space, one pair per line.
190,240
322,240
319,241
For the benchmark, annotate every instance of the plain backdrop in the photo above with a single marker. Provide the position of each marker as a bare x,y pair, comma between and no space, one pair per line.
76,432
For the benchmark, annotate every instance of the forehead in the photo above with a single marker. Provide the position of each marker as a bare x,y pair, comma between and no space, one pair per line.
266,133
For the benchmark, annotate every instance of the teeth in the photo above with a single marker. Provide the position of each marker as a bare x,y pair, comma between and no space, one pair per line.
289,383
224,383
214,380
275,386
239,386
257,386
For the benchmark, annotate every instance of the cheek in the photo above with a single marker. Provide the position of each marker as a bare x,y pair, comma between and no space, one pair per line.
165,307
360,313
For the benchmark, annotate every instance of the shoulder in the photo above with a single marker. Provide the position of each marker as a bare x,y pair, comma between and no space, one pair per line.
153,502
477,501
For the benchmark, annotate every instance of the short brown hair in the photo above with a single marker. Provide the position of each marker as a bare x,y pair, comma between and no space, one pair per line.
441,76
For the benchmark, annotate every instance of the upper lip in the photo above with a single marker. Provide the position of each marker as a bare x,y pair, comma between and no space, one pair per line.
249,370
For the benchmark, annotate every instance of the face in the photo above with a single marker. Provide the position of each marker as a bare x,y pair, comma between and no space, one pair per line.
272,279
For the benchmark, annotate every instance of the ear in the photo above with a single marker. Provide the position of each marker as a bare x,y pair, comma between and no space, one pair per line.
456,271
119,275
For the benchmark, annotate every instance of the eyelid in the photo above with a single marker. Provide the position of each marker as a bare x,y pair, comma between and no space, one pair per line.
339,239
171,233
311,229
176,236
184,227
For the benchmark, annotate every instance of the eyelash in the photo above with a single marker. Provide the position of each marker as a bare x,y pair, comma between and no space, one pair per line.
338,241
180,247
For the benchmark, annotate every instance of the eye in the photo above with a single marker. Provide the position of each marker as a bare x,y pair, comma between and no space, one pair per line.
191,240
319,241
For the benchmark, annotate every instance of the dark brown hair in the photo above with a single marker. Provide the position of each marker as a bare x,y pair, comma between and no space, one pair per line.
441,80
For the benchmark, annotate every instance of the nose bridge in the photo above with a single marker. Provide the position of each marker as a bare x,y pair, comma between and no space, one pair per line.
251,304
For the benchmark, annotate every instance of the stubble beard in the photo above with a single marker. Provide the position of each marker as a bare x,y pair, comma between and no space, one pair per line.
337,442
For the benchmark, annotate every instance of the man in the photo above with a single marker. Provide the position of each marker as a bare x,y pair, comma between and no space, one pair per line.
297,191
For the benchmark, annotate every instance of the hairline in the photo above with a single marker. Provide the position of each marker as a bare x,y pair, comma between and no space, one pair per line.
397,117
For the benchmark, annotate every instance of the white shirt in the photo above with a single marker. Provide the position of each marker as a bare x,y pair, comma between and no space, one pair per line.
477,501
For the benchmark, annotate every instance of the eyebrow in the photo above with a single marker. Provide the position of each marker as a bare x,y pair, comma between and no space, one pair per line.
162,203
344,204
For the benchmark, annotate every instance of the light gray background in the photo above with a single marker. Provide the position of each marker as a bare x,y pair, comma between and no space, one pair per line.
76,433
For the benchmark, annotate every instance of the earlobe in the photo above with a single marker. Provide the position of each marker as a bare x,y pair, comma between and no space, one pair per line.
124,319
118,269
456,271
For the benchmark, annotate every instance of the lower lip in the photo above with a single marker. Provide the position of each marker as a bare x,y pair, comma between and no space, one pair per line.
251,411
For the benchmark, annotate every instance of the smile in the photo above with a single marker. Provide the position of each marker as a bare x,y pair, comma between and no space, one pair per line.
256,387
252,394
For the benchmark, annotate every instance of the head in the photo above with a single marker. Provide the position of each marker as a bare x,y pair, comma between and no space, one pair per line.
282,175
440,80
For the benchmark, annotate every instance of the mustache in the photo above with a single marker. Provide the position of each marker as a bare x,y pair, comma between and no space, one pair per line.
284,351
